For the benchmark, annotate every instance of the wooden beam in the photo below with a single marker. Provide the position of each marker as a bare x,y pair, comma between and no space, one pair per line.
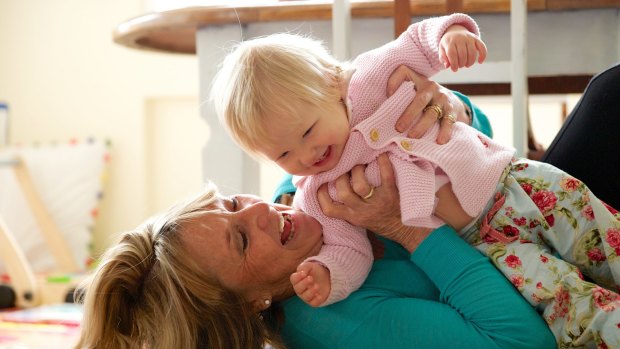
402,16
579,4
175,30
537,85
453,6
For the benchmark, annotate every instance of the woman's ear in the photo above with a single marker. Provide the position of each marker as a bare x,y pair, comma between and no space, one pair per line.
262,303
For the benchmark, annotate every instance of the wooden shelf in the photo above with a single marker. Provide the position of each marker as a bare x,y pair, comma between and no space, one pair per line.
175,30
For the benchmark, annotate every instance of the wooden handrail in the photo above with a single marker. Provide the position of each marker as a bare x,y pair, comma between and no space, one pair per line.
175,30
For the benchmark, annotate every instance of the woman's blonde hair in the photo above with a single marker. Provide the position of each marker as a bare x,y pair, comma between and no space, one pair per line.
269,76
147,293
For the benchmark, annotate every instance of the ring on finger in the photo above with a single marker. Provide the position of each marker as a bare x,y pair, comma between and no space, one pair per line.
451,118
369,195
436,108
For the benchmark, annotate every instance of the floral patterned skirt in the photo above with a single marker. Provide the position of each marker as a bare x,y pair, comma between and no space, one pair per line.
543,229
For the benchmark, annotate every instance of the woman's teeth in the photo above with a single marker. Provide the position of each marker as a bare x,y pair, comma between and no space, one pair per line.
287,228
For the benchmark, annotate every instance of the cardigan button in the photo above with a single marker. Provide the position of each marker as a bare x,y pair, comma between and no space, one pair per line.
405,144
374,135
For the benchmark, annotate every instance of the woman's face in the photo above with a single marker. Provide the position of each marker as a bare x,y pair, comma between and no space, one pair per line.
251,246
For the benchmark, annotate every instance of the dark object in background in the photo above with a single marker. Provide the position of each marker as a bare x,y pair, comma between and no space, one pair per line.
7,297
591,135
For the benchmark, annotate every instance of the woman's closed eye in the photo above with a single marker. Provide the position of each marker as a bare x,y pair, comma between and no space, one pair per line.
235,203
244,241
242,235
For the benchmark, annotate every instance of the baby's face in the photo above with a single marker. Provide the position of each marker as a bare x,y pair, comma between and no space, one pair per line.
311,145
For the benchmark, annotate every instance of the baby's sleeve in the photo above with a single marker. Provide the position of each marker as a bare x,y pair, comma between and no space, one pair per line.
427,34
346,250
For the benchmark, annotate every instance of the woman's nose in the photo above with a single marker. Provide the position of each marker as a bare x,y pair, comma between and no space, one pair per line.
258,213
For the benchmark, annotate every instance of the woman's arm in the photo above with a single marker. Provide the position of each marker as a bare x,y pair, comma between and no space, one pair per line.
445,295
476,307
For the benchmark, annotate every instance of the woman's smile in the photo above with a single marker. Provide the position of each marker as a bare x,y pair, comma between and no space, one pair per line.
244,240
287,228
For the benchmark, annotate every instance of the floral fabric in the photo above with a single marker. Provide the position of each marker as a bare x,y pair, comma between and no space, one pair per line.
562,230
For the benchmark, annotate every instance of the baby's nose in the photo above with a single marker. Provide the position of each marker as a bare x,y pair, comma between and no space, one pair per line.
308,158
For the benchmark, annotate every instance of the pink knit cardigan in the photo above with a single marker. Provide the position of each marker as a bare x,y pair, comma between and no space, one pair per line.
470,161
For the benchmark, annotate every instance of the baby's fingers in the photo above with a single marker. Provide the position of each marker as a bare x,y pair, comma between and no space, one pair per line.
297,277
301,282
453,55
482,50
305,288
443,57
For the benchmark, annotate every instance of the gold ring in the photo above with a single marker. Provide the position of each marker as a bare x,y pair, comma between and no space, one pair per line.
436,108
451,118
372,191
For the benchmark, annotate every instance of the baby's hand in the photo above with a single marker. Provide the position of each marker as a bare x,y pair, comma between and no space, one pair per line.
311,283
458,48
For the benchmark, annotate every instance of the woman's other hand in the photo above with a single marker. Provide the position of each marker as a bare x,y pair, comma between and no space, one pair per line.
378,211
428,93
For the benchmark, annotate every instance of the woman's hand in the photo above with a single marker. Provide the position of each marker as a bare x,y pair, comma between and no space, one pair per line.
428,93
378,212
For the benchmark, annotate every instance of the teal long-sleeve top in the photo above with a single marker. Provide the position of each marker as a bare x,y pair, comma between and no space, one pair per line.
444,295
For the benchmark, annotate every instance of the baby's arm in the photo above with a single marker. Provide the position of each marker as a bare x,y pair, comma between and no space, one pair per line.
311,283
459,47
344,260
449,208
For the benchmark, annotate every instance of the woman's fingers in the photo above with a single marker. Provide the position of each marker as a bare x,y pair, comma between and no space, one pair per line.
330,207
372,212
430,99
398,76
359,183
430,115
386,171
413,111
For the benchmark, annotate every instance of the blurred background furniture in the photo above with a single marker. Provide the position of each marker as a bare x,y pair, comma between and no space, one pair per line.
49,196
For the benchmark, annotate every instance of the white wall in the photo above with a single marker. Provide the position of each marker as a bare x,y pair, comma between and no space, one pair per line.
63,77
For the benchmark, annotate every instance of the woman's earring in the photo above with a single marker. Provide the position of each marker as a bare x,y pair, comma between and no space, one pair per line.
267,302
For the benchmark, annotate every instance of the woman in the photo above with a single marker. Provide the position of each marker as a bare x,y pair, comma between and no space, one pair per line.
214,273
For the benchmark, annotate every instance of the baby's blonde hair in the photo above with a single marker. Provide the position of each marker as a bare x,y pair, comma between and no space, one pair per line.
268,76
